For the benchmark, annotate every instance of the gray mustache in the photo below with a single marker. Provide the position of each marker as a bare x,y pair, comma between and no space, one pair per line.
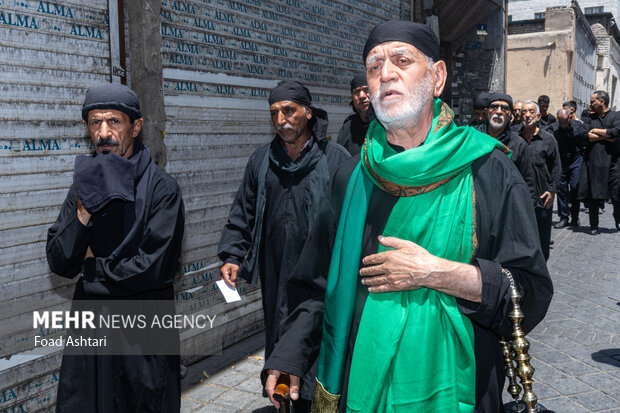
107,142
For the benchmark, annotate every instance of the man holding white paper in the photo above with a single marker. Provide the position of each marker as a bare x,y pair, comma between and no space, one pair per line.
277,202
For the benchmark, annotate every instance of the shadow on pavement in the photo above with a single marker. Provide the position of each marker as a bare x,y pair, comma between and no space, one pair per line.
266,409
608,356
585,229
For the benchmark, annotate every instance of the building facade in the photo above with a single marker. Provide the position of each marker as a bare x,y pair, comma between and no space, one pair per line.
607,55
556,58
535,9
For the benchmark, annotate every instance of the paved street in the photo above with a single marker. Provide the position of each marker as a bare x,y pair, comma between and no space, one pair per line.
576,349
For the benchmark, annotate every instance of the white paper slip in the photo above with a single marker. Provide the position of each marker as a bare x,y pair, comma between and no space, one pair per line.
230,294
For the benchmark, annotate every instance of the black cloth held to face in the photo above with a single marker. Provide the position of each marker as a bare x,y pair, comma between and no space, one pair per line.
112,96
105,176
418,35
101,178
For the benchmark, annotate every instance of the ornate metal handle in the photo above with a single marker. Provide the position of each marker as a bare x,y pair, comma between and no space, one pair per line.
516,352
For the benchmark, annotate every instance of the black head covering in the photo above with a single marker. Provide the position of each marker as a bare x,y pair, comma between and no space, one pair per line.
290,90
418,35
481,100
358,80
501,96
112,96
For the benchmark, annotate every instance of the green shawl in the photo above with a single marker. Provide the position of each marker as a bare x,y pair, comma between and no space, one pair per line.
414,349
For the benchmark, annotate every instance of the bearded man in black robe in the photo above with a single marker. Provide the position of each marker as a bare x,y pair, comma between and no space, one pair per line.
278,202
499,113
603,125
353,131
121,225
422,228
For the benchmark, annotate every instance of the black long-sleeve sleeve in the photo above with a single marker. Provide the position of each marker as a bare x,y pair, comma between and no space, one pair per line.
67,240
236,236
613,125
507,235
555,167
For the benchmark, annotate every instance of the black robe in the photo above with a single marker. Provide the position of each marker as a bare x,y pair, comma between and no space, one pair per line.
352,133
508,237
121,383
285,228
597,160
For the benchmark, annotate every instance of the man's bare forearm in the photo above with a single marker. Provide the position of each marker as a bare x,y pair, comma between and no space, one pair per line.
458,280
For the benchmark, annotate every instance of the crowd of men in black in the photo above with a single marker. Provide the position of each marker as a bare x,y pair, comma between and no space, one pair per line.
587,151
576,159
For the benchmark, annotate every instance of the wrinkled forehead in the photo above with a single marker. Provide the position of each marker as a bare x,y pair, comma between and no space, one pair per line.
394,48
529,107
107,114
283,104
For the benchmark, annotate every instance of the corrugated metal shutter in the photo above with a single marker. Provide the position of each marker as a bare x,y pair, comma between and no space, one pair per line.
49,54
220,60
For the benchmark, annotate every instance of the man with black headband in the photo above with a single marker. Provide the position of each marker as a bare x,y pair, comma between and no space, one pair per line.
353,130
278,201
421,233
497,125
121,226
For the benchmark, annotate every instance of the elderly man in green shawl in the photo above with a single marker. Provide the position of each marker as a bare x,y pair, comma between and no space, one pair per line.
403,277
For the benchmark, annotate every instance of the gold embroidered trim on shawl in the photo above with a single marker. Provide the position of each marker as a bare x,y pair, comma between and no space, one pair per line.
323,401
445,117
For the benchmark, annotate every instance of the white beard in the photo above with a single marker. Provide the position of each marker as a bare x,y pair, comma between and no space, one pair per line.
498,124
406,111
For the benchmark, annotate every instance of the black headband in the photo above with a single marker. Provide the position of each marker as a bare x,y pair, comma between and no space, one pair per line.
358,80
290,90
112,96
418,35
